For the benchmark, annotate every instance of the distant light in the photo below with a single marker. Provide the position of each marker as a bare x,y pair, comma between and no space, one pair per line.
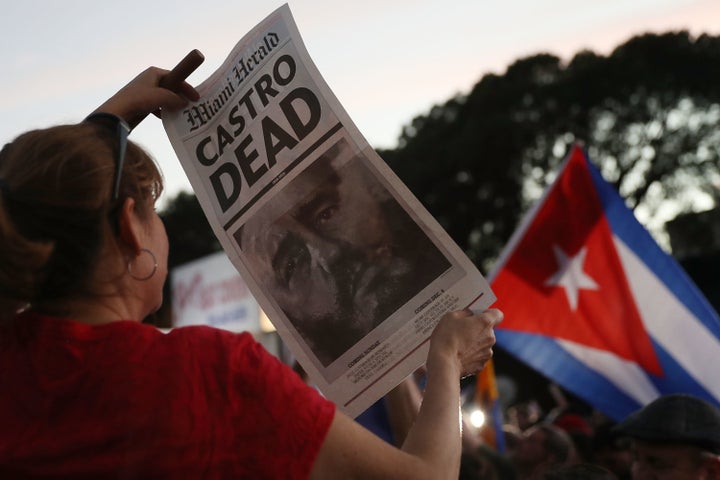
477,418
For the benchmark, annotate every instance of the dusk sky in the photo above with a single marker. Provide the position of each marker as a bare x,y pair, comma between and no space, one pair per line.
387,61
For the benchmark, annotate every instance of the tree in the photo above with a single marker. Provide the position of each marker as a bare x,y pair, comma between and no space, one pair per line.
190,237
190,234
647,113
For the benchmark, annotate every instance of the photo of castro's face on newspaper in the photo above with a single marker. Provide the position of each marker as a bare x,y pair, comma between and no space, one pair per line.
337,252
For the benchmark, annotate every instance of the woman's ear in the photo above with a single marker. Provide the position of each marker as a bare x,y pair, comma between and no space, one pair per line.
130,227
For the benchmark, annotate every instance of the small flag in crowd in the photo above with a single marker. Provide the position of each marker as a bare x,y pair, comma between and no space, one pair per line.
593,303
487,398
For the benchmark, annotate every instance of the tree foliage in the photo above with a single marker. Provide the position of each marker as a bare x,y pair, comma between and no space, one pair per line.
190,237
647,114
188,230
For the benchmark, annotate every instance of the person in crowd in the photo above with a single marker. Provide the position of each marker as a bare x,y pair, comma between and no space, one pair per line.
611,451
674,437
580,433
580,471
484,463
524,415
513,437
476,467
568,416
542,447
89,391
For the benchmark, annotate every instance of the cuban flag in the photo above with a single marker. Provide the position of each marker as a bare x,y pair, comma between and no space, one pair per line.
594,304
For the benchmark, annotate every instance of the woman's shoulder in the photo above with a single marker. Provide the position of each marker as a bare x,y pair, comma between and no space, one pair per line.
213,343
206,334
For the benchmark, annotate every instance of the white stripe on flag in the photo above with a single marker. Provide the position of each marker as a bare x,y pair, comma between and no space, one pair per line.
671,324
627,376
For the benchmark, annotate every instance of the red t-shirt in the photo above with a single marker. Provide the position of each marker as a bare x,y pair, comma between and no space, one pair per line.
124,400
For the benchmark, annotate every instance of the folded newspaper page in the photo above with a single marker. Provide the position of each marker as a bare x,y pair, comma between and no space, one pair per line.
348,265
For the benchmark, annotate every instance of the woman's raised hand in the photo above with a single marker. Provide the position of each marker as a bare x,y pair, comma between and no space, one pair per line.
153,90
466,338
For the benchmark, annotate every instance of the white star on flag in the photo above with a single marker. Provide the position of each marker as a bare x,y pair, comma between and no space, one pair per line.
570,275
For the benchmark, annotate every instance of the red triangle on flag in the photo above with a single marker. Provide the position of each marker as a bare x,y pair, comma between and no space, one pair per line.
564,278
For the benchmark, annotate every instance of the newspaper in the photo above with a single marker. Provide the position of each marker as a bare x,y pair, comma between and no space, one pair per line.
349,266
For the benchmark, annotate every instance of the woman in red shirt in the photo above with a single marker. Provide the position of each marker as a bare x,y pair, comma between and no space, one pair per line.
88,391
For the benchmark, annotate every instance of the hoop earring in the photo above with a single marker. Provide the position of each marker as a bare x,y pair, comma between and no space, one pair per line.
150,275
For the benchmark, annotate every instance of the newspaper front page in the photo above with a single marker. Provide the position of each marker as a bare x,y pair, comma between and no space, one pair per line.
348,265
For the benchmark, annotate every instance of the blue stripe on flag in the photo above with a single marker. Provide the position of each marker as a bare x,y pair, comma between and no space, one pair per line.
675,378
546,356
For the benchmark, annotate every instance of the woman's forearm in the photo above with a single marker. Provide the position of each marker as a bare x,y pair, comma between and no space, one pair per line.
436,434
461,344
